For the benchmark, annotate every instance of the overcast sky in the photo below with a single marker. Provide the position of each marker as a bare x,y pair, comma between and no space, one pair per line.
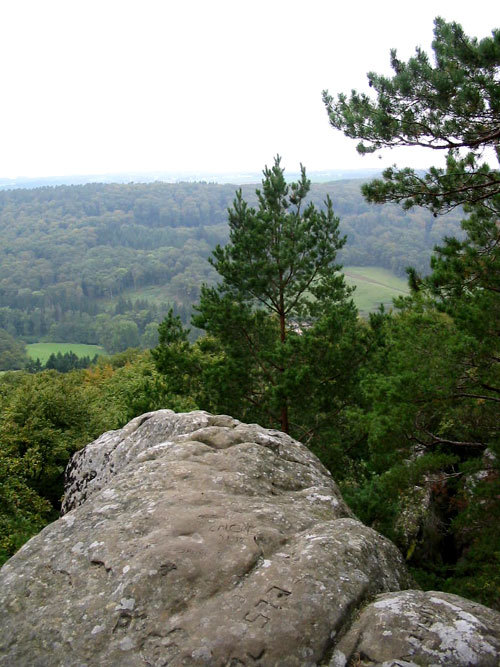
100,86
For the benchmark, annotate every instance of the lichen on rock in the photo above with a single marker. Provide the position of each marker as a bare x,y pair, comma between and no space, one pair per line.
416,628
193,539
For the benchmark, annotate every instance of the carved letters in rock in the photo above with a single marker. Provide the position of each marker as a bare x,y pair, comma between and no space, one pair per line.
193,539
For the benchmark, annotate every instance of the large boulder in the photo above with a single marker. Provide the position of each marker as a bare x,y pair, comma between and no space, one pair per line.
417,628
193,539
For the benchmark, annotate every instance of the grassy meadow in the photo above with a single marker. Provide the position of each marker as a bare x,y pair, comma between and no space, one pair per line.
43,351
374,286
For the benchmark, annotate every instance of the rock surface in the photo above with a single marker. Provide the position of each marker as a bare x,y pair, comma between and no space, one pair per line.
193,539
417,628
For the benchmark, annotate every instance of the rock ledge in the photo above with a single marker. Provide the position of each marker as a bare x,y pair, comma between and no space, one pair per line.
193,539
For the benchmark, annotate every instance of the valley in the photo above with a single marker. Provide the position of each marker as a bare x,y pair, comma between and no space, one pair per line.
101,264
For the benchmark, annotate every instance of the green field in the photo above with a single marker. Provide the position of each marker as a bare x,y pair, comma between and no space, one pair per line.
374,286
155,293
43,351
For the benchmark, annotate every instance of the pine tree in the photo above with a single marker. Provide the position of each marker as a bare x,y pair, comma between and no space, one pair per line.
433,398
451,106
278,277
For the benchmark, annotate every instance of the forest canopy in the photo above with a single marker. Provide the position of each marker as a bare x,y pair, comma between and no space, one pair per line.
401,406
79,263
432,406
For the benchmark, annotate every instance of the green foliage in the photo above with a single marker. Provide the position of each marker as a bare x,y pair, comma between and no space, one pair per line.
117,333
172,356
127,253
283,343
419,390
23,513
432,390
46,417
278,280
427,475
394,483
46,420
12,353
63,363
451,106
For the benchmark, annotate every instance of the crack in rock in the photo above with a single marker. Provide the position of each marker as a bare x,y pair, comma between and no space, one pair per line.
250,557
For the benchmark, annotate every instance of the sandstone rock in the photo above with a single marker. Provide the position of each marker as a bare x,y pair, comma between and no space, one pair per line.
413,628
193,539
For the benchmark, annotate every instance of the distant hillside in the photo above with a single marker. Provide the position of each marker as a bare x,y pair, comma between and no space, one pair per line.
238,178
76,262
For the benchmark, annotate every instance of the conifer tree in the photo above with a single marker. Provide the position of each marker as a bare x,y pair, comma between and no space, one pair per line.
278,278
450,106
432,400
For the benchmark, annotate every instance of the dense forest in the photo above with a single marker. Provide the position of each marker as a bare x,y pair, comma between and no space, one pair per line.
75,260
402,407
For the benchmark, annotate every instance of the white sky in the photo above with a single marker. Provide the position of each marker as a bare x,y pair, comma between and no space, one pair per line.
99,86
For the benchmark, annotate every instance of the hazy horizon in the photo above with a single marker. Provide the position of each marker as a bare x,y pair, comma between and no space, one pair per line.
121,86
172,177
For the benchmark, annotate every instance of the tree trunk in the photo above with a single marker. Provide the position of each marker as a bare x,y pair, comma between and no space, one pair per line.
284,408
284,419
